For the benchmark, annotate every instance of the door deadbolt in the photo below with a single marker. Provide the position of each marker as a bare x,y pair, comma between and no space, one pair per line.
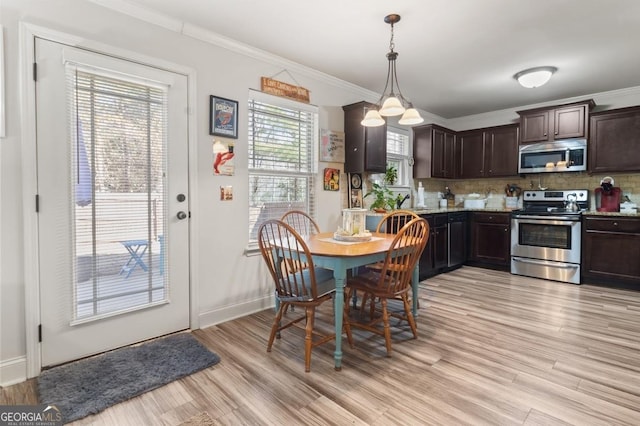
181,197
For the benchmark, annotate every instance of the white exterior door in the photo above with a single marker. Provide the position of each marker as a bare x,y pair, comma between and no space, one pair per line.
113,224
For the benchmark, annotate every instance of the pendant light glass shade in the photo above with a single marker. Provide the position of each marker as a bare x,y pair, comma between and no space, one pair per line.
372,119
391,107
394,104
535,77
411,117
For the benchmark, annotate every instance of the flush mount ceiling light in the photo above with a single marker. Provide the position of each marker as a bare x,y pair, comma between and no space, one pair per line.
392,104
535,77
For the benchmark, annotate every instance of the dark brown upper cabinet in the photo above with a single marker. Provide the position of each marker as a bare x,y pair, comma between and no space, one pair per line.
614,141
489,152
365,147
559,122
433,152
472,153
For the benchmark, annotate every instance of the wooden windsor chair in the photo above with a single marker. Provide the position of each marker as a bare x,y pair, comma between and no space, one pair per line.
283,249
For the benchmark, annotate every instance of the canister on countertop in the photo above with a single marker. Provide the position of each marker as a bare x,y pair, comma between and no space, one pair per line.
450,197
511,202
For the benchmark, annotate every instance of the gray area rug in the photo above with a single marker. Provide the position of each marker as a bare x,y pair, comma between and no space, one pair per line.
90,385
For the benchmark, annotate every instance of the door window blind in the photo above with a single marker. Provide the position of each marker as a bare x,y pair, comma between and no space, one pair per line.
118,169
282,141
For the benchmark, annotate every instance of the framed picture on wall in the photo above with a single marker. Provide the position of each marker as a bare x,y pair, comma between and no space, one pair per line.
223,117
331,179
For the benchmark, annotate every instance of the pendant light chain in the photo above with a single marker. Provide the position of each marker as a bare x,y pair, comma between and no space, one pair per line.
391,43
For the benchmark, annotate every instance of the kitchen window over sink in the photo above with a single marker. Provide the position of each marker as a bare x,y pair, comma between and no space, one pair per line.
282,139
398,154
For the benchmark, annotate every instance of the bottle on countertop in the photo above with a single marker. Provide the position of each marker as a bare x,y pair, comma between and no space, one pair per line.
420,202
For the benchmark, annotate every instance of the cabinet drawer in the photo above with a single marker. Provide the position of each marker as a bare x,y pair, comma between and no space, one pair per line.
622,224
502,218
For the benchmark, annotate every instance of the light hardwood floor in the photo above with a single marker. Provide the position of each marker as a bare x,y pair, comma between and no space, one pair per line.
493,348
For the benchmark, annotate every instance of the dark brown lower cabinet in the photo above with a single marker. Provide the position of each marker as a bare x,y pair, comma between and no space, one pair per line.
426,263
446,248
490,238
611,251
440,242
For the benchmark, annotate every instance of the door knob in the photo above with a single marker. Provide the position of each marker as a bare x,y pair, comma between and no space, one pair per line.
182,215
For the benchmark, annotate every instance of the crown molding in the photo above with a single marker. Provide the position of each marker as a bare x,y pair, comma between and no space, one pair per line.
210,37
141,13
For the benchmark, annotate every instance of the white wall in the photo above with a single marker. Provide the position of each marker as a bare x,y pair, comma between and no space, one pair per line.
230,283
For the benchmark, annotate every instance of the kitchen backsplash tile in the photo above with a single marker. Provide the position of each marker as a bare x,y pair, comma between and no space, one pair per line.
495,188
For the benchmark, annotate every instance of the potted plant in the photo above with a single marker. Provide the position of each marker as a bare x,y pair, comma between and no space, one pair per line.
383,198
390,175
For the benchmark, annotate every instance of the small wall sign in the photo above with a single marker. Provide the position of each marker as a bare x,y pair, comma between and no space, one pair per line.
284,90
223,158
331,146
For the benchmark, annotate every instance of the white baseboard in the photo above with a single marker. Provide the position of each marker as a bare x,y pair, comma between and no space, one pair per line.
230,312
13,371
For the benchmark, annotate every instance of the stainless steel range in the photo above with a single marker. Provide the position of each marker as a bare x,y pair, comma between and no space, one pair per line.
545,234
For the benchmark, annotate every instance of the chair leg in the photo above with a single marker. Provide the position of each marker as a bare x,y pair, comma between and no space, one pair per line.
387,328
372,307
410,319
275,328
347,296
308,339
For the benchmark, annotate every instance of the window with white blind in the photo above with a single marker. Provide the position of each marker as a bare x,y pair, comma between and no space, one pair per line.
282,166
398,153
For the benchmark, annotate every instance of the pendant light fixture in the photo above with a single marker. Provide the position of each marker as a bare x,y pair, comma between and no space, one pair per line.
392,104
535,77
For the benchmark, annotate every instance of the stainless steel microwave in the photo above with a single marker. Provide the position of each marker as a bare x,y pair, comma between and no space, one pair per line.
568,155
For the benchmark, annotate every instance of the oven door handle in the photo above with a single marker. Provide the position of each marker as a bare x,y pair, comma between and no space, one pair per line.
548,220
544,263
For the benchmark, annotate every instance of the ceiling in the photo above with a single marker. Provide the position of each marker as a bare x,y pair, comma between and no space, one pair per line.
456,57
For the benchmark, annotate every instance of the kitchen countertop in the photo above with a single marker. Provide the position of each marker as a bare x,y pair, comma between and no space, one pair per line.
418,210
618,214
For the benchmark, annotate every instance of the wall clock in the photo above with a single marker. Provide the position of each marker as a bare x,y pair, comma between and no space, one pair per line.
356,181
